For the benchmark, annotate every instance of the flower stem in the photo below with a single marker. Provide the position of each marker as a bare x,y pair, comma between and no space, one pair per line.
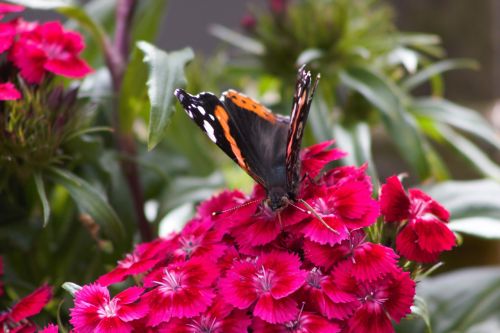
117,55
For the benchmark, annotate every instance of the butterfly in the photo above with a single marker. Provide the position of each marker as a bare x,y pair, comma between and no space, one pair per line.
264,144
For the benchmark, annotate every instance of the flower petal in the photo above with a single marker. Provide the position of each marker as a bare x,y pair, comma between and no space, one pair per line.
275,310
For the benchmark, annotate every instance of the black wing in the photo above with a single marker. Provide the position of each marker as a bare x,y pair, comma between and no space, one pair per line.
302,100
247,134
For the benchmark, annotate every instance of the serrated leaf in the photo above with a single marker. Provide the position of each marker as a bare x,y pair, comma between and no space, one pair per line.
436,68
465,119
389,102
166,73
40,188
90,201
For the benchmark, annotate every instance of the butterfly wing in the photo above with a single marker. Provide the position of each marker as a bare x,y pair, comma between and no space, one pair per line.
302,99
246,133
263,136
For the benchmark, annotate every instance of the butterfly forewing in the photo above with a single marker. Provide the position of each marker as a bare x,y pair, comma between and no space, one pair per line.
300,110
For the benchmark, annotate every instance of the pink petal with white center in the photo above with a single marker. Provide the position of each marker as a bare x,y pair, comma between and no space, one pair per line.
113,325
237,287
371,261
31,304
408,247
402,293
275,310
370,318
316,231
8,92
394,203
283,271
434,236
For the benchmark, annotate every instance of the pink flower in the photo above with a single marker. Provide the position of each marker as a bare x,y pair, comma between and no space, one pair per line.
266,283
50,328
49,48
315,157
6,8
132,264
248,22
181,290
31,304
389,297
7,35
304,323
8,92
94,311
425,234
219,318
278,6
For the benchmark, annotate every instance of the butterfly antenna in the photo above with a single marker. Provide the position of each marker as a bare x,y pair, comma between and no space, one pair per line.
311,210
219,212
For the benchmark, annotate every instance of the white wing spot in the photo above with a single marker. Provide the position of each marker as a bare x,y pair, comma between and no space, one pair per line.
190,114
202,110
209,130
212,117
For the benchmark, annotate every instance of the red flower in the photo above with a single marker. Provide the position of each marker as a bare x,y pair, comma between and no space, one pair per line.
182,290
248,22
389,297
219,318
265,282
132,264
50,328
315,157
94,311
305,323
425,234
31,304
6,8
49,48
8,92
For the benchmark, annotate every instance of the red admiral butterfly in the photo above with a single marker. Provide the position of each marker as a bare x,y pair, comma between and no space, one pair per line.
264,144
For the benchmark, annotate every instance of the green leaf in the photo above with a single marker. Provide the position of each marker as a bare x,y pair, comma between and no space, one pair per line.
421,310
166,73
473,206
437,68
465,301
71,288
465,119
90,201
43,197
484,227
133,98
356,140
389,101
470,151
320,119
234,38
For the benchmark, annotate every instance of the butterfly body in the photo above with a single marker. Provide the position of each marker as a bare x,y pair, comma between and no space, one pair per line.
264,144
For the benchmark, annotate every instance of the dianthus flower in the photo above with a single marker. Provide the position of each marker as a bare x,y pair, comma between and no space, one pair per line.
16,319
8,92
426,234
95,311
250,269
49,48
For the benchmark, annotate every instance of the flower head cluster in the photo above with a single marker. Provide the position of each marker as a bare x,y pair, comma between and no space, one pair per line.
35,50
257,270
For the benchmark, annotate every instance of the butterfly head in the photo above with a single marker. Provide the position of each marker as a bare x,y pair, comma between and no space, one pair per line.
277,198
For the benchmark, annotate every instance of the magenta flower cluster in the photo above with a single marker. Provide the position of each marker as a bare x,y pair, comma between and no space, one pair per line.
38,49
255,270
